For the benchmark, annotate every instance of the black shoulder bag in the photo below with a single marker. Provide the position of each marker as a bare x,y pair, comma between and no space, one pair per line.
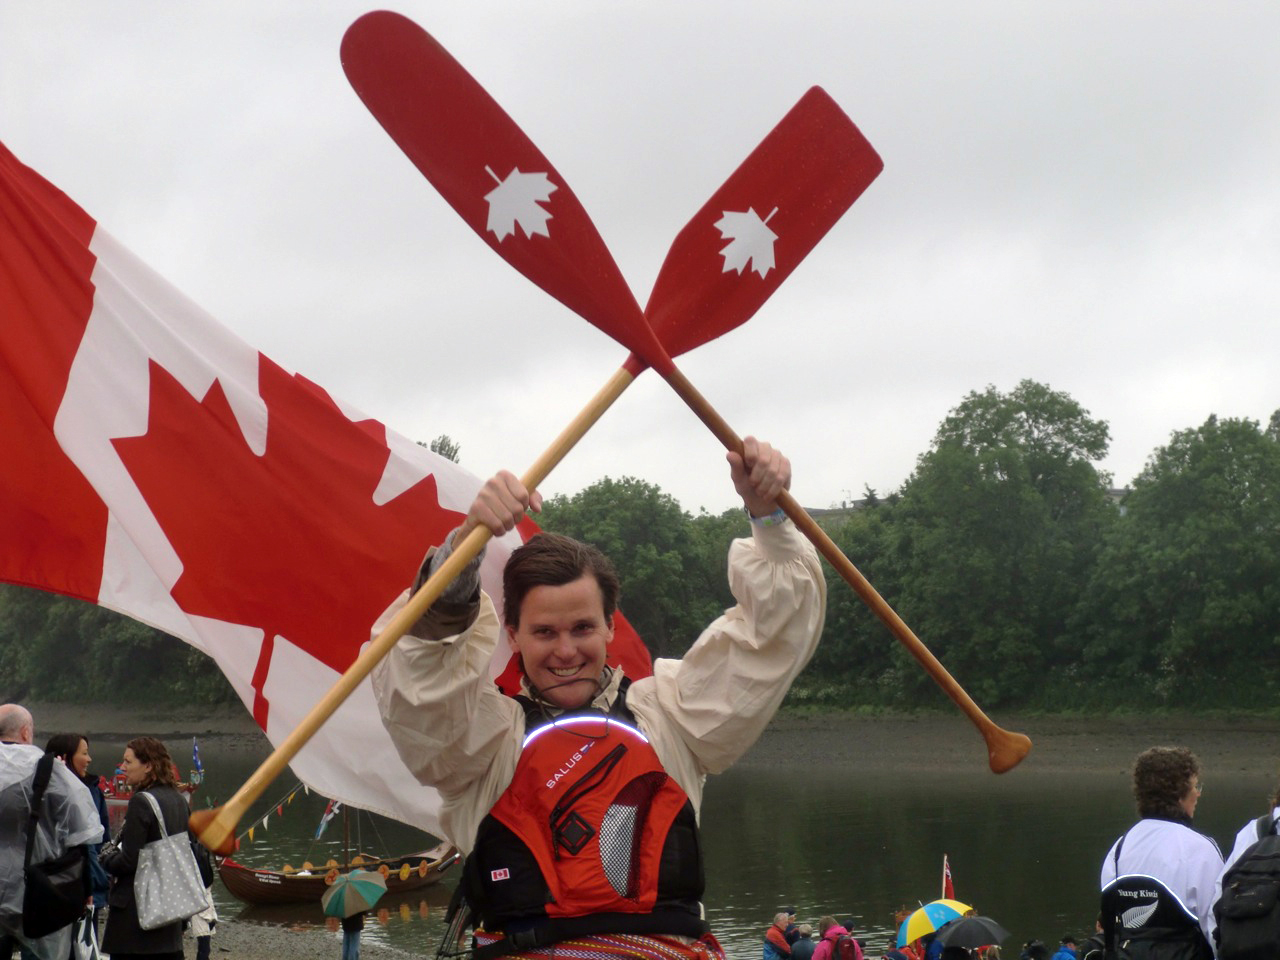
56,889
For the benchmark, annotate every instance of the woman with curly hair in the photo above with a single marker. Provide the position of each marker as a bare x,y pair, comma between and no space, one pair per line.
1158,878
148,770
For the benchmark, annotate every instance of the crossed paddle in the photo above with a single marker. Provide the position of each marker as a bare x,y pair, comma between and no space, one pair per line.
808,171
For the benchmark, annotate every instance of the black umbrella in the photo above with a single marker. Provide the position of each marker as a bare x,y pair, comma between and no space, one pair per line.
971,931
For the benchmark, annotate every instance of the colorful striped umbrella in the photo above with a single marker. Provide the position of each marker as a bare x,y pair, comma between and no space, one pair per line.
352,893
929,918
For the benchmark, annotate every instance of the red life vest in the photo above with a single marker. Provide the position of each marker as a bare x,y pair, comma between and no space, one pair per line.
591,827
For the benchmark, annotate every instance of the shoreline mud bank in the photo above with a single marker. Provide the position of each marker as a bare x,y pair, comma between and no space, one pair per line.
897,743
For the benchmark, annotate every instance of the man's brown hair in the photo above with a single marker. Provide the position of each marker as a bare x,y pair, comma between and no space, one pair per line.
552,560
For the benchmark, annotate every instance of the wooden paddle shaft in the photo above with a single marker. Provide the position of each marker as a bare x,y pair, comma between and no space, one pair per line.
1005,749
216,828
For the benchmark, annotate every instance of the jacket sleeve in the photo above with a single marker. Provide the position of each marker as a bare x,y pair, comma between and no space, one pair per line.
138,822
444,713
775,937
1205,871
720,696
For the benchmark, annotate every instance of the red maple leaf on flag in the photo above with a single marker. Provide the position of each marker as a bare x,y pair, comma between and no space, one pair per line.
302,551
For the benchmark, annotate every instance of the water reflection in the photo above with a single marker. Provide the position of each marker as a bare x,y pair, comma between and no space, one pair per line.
1024,849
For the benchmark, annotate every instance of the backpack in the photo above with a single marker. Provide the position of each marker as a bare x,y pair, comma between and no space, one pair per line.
1248,912
1092,948
1142,919
54,890
846,948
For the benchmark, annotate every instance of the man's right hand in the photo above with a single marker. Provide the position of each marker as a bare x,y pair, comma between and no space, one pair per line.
500,505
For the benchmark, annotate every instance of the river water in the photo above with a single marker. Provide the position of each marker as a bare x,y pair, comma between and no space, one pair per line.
1024,848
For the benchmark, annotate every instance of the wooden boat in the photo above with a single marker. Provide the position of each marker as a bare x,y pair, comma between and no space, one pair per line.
309,883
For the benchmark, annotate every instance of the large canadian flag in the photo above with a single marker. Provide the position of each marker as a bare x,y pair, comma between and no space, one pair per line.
156,464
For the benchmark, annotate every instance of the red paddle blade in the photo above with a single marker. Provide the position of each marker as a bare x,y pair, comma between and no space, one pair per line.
757,228
490,172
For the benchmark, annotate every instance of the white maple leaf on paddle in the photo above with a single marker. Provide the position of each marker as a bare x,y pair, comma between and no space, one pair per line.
515,201
749,239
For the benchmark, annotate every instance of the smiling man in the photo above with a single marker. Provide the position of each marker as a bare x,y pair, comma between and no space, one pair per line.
577,801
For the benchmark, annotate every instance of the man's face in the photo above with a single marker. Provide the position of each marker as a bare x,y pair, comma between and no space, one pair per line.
563,637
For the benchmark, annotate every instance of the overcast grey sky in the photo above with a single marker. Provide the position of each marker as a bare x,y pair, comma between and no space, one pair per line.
1086,194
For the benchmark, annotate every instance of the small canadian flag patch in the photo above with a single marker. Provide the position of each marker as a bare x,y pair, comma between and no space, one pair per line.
503,874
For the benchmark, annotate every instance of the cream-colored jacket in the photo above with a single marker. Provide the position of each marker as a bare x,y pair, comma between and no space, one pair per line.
458,733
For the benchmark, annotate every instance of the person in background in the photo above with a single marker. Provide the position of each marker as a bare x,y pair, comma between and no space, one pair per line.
829,931
148,769
849,924
1094,945
67,820
1160,874
73,750
1246,837
792,930
351,930
803,947
1066,948
205,923
776,946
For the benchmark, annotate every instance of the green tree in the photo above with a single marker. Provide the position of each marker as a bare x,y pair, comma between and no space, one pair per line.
58,648
444,445
1188,585
995,533
710,536
857,660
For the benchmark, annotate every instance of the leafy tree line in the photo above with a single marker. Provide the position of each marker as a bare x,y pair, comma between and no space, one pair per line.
60,649
1005,551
